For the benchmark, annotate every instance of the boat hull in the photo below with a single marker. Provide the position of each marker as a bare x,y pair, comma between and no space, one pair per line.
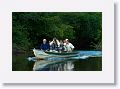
42,55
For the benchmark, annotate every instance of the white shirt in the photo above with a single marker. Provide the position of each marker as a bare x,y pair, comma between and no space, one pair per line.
58,43
69,47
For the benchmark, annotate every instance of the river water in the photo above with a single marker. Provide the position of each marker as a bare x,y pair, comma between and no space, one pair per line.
83,61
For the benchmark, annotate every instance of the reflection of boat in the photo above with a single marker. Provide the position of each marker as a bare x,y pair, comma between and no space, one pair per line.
61,61
56,65
41,54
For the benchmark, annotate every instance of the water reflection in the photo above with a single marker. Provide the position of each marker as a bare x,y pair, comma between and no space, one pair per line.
83,61
66,66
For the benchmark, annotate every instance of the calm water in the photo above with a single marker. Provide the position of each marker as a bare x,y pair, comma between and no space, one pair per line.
84,61
90,64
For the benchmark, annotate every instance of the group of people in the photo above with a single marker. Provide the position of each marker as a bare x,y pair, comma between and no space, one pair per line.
57,45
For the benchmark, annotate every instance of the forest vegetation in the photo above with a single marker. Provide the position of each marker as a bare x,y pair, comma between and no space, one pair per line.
83,29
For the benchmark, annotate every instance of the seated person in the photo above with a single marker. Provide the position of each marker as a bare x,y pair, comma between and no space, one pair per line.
54,45
44,46
64,45
69,46
61,47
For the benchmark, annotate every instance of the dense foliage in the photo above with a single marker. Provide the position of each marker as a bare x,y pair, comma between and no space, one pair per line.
83,29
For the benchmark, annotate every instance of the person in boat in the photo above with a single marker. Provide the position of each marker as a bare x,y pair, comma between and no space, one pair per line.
45,46
61,47
69,46
54,45
64,43
51,47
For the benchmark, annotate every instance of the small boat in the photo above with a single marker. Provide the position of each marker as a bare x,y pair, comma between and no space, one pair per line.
42,55
62,53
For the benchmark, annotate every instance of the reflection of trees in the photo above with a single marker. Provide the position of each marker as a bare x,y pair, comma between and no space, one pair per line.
67,66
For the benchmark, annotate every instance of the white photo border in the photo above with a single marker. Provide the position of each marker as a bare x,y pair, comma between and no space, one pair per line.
104,76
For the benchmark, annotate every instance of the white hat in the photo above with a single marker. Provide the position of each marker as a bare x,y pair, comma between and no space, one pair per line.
66,39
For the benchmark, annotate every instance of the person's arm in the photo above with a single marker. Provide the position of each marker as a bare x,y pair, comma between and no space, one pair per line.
58,43
51,43
72,47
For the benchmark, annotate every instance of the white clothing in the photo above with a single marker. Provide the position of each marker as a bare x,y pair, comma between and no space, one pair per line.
58,43
69,47
65,48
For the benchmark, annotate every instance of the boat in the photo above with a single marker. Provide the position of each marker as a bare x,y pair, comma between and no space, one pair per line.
61,53
42,55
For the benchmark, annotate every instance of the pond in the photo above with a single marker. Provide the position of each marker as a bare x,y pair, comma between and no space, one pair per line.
84,61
